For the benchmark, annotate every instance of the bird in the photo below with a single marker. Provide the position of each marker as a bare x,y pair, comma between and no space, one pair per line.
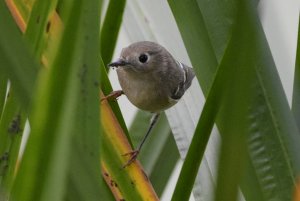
152,80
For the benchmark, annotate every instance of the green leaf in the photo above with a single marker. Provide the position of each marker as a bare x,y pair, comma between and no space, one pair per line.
16,61
107,88
198,144
164,165
24,8
11,129
38,26
72,80
3,89
296,89
129,182
12,124
239,71
84,169
110,29
196,39
273,127
219,25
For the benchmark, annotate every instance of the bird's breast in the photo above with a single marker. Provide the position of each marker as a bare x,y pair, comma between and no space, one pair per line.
144,91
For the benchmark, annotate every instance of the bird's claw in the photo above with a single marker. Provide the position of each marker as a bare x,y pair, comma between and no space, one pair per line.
133,155
112,96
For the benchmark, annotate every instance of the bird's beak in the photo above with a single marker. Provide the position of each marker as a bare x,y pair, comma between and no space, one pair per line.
119,62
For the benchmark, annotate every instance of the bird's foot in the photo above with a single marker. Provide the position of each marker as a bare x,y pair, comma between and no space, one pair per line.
112,96
133,155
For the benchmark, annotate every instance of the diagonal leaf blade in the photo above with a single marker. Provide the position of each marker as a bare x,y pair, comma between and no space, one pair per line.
110,29
15,58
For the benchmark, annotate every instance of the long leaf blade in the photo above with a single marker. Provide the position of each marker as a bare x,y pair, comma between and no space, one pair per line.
239,64
15,58
296,89
11,129
110,29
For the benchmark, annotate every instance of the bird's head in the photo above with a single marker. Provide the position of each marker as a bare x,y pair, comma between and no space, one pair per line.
143,56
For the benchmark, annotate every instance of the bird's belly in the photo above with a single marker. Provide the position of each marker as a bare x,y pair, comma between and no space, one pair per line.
147,98
145,95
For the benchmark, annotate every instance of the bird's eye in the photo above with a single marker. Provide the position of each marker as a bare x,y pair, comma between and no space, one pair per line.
143,58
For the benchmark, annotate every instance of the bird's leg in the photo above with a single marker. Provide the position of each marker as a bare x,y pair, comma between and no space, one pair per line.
113,95
134,154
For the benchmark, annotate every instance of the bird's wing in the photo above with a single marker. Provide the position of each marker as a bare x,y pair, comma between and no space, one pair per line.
188,75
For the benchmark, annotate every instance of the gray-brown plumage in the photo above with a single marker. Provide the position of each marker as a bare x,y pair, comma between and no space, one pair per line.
151,79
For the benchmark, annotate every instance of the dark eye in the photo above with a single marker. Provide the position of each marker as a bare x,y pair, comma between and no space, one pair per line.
143,58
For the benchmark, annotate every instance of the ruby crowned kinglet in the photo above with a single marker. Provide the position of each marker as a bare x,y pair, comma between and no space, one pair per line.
151,79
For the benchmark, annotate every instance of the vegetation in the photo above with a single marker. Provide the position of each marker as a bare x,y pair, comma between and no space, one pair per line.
52,75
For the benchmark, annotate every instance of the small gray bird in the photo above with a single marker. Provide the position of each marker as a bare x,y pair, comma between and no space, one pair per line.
151,79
